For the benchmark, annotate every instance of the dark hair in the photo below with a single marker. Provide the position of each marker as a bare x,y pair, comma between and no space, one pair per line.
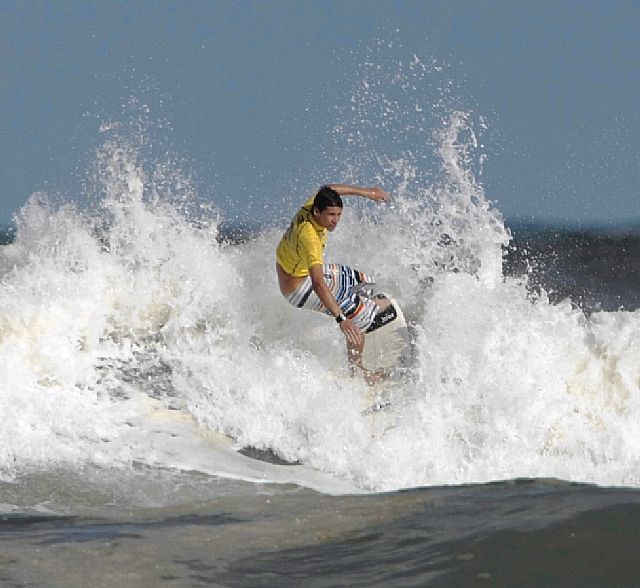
325,198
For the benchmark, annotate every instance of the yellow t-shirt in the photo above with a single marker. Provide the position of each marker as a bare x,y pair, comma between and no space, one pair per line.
302,244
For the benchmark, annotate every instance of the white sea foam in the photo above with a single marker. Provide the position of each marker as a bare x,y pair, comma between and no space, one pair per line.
102,308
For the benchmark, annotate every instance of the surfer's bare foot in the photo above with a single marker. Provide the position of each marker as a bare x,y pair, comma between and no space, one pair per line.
372,378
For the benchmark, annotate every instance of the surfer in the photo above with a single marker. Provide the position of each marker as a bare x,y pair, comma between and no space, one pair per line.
307,282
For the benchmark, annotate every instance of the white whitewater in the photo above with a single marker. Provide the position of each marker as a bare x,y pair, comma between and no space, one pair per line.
112,313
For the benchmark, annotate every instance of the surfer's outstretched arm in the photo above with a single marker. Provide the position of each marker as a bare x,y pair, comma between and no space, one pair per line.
374,193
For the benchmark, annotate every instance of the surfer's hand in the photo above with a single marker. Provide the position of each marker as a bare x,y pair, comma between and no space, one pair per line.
353,334
378,194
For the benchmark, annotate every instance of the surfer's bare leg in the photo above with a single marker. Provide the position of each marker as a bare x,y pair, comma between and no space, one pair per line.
354,355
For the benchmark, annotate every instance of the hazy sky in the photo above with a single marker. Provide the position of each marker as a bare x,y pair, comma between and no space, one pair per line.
251,92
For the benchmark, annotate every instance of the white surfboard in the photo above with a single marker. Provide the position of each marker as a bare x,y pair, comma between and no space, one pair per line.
387,348
389,345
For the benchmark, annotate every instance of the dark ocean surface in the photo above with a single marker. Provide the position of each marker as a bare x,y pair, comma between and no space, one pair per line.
530,533
596,269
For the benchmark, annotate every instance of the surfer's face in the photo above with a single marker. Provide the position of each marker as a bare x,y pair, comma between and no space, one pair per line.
329,217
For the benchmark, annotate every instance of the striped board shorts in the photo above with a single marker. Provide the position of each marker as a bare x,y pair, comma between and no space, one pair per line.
348,287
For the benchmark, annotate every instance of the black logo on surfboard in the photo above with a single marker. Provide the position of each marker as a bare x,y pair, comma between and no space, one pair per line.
384,317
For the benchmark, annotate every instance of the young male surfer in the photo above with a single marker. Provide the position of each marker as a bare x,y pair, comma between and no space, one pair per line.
307,282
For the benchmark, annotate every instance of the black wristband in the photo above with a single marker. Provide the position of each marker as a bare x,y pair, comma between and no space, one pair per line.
340,318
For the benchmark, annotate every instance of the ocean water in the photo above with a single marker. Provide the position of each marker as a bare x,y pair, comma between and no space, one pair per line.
168,420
